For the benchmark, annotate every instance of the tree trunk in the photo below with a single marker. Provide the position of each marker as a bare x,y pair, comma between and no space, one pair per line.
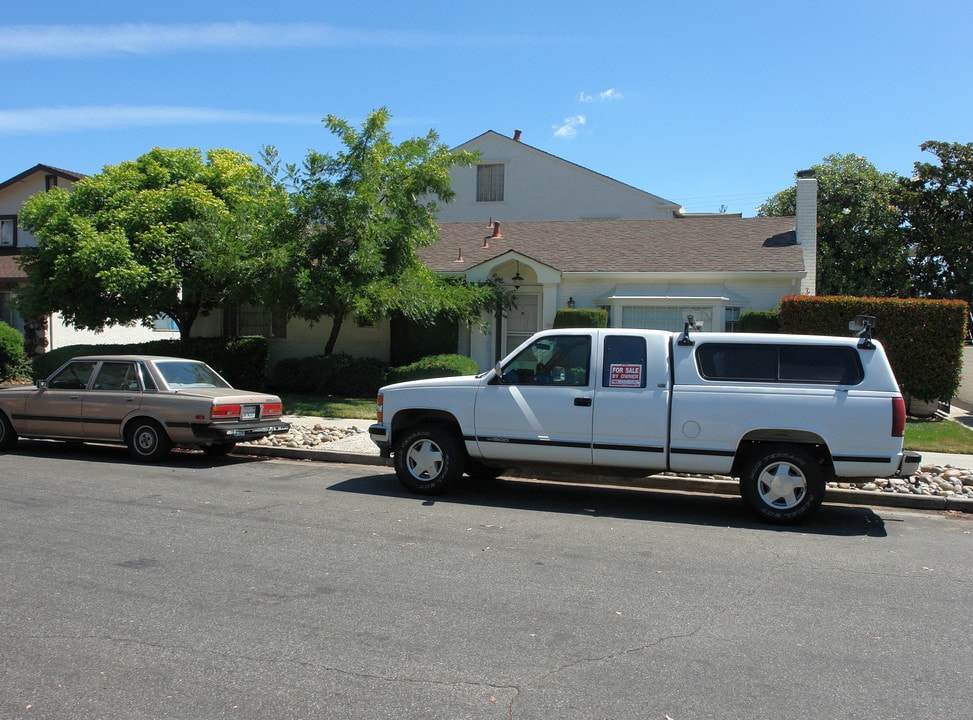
336,321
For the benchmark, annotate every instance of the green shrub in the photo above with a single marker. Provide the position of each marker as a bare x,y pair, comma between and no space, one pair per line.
14,364
581,318
433,366
760,321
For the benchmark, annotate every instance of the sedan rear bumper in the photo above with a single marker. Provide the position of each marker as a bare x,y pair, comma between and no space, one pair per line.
238,431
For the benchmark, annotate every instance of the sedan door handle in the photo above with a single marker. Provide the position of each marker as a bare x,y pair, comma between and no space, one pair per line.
582,402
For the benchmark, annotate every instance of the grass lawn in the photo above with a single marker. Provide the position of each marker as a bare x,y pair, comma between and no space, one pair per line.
938,435
931,435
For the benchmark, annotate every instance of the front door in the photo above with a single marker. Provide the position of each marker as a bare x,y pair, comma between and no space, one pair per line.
541,411
55,410
521,322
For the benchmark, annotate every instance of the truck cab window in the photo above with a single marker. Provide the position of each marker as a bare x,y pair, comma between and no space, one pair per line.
553,360
625,362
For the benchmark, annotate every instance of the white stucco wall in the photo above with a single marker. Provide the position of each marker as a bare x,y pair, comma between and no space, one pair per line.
539,186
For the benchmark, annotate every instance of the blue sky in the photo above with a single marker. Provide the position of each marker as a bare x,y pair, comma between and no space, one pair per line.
708,104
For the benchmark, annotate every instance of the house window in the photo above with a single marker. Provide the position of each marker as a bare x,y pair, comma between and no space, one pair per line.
732,319
164,323
239,320
489,183
50,181
8,231
364,322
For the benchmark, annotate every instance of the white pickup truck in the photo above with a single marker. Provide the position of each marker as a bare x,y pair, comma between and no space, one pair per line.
784,413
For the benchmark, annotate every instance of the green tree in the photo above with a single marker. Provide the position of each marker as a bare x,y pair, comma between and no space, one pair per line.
861,251
172,233
363,213
938,206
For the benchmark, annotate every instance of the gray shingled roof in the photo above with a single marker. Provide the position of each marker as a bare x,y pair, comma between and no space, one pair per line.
711,245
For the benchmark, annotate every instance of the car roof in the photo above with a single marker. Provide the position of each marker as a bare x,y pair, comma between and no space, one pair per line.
132,358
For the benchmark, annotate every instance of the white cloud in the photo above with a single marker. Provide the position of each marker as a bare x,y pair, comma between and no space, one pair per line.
62,41
569,128
41,120
603,96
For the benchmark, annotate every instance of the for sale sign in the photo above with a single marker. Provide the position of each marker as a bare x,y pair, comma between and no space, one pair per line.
625,375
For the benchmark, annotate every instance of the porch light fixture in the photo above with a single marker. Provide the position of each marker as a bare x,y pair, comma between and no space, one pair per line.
571,303
518,278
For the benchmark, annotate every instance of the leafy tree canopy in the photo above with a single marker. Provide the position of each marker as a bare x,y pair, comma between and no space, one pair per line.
861,251
938,206
171,233
363,213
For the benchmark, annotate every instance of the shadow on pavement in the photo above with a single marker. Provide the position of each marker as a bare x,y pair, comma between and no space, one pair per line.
623,503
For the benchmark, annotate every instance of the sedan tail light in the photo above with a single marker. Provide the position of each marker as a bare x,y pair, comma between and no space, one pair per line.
271,409
225,411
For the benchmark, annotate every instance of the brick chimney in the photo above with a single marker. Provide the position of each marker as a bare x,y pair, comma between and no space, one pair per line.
807,228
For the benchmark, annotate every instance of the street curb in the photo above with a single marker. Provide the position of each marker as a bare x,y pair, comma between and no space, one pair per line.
707,486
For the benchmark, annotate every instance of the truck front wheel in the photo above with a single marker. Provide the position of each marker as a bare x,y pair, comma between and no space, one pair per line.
428,459
783,484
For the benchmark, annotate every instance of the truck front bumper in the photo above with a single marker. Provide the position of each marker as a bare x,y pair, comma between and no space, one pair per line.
381,435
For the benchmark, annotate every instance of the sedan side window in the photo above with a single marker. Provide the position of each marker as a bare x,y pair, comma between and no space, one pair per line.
116,376
73,376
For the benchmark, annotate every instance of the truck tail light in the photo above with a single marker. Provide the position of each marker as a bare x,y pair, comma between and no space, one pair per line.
898,417
379,410
271,409
225,411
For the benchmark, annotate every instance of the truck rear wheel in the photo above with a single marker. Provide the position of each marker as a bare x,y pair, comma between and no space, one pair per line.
428,459
783,484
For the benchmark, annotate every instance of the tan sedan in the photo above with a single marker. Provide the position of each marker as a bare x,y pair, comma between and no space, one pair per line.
146,402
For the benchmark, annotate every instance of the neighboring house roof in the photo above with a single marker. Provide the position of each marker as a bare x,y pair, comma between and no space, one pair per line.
703,245
47,170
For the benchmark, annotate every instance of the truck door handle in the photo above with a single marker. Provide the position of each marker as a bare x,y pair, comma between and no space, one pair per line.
582,402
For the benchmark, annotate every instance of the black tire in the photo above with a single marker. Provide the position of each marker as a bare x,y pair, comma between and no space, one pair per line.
146,440
8,436
783,484
219,449
428,459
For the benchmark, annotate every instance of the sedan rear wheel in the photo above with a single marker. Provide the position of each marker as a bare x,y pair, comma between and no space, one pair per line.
147,441
8,436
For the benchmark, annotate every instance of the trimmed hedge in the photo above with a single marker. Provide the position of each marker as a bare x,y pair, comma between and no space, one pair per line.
922,338
581,318
760,321
242,361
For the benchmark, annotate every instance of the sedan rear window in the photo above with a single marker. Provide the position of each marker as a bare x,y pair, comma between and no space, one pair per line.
180,375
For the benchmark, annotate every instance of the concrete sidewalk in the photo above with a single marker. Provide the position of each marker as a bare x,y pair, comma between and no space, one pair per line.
359,449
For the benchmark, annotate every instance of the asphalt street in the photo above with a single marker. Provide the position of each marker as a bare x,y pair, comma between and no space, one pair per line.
248,587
